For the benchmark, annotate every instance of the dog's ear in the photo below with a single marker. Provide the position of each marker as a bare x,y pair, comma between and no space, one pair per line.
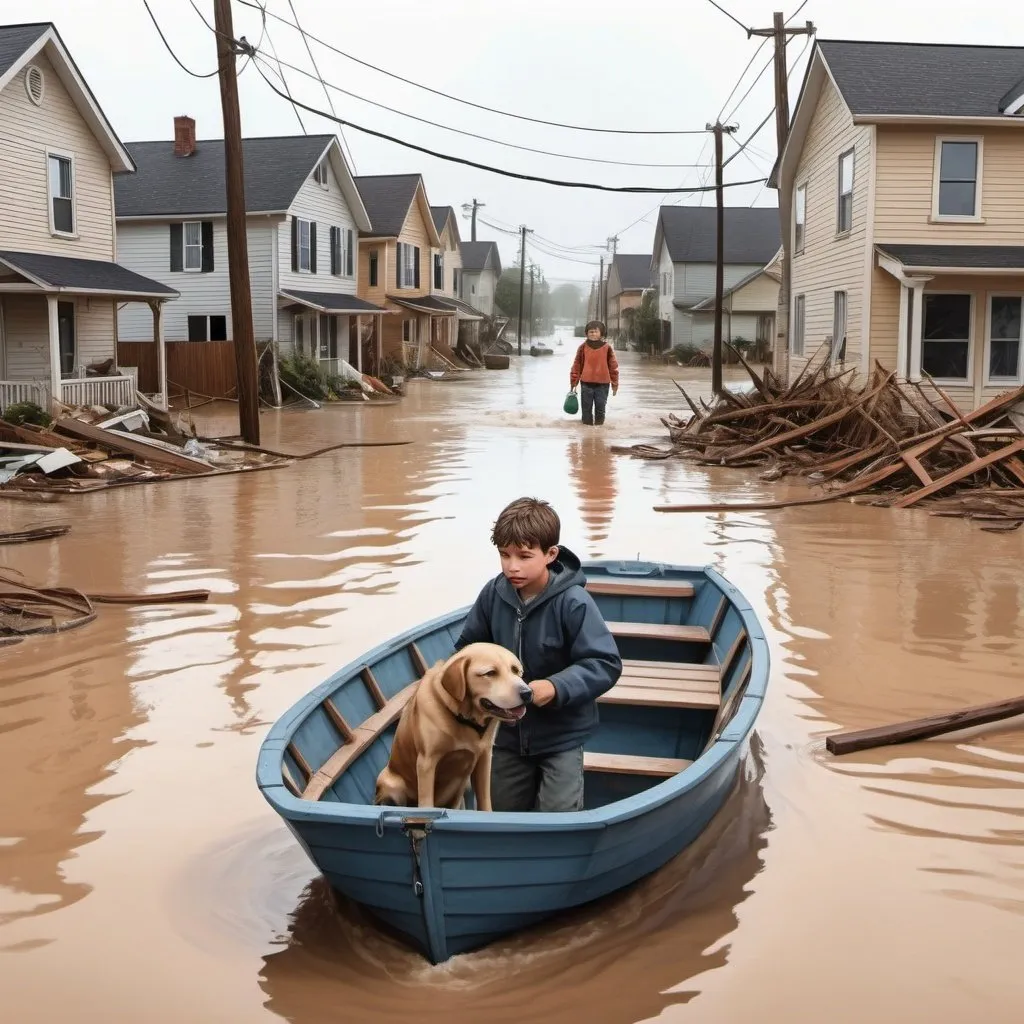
455,679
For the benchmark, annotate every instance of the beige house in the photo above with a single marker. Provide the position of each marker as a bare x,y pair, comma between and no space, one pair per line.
60,283
901,188
629,276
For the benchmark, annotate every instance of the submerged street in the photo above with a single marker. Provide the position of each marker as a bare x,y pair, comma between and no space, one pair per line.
140,866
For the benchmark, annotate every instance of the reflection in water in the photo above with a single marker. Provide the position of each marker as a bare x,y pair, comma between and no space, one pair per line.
128,811
634,954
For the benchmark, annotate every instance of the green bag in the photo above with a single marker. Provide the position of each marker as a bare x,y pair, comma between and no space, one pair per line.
571,405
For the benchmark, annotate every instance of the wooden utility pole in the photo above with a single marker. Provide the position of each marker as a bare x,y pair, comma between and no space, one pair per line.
532,269
599,305
780,33
522,285
238,250
474,206
716,351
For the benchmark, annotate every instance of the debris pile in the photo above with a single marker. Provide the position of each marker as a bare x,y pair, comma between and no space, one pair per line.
89,449
888,442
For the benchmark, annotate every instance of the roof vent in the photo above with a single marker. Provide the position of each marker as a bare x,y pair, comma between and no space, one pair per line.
34,84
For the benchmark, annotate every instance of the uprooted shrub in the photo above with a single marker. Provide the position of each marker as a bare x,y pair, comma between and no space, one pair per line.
19,413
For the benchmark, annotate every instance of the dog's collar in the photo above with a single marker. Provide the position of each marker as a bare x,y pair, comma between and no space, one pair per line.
463,720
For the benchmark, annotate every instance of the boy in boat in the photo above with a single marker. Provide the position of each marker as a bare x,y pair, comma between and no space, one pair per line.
597,369
537,608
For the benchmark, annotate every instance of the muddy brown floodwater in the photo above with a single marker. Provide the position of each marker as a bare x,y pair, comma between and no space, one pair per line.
143,878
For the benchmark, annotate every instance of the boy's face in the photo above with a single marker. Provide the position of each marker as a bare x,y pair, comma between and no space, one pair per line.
526,567
593,334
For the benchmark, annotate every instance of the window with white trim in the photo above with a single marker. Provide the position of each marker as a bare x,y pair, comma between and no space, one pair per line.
796,328
844,209
320,173
61,173
1005,320
957,191
408,265
799,218
305,250
349,251
838,351
207,328
192,242
946,336
408,330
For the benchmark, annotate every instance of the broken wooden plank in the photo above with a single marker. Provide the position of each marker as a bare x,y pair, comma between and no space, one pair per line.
36,533
922,728
118,440
959,474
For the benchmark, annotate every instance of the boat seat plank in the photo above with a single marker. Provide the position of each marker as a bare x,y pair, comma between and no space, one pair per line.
670,670
659,695
363,737
640,588
632,764
659,631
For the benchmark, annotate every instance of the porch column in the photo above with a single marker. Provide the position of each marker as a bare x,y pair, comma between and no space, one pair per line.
161,351
359,343
902,366
916,329
54,331
380,341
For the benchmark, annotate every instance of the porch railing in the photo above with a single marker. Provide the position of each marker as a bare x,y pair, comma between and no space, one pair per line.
14,391
117,391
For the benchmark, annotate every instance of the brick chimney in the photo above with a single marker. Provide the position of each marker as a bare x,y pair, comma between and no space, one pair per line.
184,136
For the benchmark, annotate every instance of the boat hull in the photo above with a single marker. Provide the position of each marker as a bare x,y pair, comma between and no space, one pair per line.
453,881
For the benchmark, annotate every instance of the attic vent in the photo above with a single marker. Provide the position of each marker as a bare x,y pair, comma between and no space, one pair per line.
34,84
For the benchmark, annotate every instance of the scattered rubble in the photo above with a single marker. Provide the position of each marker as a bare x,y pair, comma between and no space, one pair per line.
889,442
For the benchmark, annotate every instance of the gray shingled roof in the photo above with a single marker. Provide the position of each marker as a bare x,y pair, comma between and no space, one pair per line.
15,40
996,257
946,80
338,302
474,256
752,235
441,215
387,198
634,271
74,274
434,303
166,185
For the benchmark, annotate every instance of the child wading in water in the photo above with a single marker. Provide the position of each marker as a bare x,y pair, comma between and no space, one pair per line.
597,369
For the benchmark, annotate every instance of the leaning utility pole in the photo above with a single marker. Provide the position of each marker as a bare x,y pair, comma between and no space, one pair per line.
781,35
474,207
522,285
238,251
716,351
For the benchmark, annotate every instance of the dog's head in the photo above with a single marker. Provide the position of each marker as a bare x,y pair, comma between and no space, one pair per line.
489,680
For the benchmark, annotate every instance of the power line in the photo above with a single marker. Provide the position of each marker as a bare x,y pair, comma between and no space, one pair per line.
284,81
474,135
641,189
470,103
731,17
163,38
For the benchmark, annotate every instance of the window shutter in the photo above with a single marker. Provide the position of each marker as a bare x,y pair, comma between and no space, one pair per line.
207,232
350,244
177,250
398,265
335,269
312,246
295,245
416,260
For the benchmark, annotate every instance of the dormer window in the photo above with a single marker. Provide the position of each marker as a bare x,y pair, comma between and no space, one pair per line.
320,174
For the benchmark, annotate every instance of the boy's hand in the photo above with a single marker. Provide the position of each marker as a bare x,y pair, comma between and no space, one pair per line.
615,390
543,692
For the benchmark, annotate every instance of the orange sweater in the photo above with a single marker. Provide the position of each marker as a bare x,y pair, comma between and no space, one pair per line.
595,366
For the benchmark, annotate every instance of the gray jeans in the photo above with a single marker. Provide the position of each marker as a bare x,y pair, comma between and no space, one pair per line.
543,782
593,399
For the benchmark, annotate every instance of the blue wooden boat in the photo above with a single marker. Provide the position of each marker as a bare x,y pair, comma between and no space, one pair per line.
657,770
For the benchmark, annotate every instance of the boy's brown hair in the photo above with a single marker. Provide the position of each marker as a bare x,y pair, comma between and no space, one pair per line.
527,522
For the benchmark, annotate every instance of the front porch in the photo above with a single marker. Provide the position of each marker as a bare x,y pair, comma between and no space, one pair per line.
433,326
960,318
58,330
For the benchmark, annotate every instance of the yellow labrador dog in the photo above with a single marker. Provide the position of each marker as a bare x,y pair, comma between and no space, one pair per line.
446,732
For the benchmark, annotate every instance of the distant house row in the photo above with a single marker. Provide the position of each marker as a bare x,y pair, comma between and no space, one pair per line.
113,256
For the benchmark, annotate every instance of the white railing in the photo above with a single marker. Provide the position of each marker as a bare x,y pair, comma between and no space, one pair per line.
119,391
13,391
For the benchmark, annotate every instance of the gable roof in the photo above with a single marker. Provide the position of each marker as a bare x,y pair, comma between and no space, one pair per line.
475,256
709,302
19,44
446,215
924,79
276,168
634,271
752,234
388,199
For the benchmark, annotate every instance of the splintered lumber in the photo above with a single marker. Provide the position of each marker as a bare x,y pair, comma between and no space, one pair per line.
922,728
171,597
38,533
121,441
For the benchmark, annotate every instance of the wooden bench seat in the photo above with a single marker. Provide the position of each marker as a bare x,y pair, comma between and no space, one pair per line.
632,764
679,686
639,587
659,631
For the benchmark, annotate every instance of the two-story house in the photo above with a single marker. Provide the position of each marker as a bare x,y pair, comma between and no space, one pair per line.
447,258
60,282
683,263
900,184
481,269
302,215
629,276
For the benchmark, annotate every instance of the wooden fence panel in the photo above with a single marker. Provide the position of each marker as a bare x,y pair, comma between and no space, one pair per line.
203,367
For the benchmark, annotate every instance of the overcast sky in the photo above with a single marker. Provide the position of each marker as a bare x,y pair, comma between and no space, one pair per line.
661,65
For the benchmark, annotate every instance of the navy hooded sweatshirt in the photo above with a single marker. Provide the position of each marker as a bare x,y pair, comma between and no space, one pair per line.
560,636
